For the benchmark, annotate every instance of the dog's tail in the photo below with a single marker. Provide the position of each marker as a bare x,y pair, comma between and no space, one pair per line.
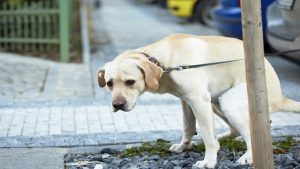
289,105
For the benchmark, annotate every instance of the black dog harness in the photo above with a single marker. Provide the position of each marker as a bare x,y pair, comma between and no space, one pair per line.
183,67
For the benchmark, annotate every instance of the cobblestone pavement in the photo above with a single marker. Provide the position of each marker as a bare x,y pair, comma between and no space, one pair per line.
59,104
96,125
29,81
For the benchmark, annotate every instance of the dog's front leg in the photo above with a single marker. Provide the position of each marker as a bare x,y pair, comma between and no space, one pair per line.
202,109
189,129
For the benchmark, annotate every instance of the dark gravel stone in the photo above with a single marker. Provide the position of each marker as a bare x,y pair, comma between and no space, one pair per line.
195,155
97,157
176,162
288,162
226,150
167,165
182,156
69,158
107,160
222,155
287,167
73,167
186,163
225,165
177,167
117,162
226,160
141,159
107,151
155,157
236,166
80,156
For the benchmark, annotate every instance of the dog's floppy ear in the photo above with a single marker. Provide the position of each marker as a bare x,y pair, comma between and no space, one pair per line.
152,74
100,76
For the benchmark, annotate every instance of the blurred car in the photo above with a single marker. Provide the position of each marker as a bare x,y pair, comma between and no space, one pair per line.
227,17
162,3
199,10
149,1
283,32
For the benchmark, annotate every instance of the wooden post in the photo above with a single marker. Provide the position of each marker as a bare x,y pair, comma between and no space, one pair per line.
256,84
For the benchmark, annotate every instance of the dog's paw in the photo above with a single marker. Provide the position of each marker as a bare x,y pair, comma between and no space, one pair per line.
204,164
179,148
246,158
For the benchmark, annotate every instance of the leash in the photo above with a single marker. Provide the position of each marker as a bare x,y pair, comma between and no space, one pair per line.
184,67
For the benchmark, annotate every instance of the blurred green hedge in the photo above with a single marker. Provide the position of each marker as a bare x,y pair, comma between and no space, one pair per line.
15,2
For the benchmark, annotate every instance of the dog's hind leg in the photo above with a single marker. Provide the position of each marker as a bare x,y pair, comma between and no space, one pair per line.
189,130
234,104
231,133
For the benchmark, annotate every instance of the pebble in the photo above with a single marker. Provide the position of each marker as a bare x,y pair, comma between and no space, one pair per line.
69,158
155,157
117,162
99,166
107,151
167,165
105,155
97,157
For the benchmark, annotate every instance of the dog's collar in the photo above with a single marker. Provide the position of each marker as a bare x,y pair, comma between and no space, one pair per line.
183,67
152,59
156,62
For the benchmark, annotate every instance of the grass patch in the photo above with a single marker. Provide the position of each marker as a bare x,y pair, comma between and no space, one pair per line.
160,147
231,144
281,147
234,145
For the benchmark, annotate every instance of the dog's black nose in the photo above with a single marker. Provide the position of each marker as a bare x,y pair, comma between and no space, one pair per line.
119,105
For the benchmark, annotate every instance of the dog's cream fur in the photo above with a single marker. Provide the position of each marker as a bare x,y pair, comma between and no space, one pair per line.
219,88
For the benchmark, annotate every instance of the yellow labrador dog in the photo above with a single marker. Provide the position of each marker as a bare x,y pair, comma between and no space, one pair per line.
220,88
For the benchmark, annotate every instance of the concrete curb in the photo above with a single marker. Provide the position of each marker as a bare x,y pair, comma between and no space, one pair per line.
102,139
17,58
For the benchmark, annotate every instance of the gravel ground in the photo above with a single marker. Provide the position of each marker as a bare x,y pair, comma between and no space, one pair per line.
151,156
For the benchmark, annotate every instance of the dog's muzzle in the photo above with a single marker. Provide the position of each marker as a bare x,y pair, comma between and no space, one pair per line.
119,103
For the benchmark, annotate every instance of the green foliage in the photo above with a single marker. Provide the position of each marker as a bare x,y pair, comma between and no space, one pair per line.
234,144
161,147
231,144
199,148
17,2
288,143
14,2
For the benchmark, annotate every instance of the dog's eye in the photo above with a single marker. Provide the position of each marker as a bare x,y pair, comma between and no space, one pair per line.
129,82
109,83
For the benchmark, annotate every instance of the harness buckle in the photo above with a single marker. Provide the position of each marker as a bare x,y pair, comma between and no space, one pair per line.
153,60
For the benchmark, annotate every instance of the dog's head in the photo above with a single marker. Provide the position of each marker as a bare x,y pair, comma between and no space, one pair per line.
127,77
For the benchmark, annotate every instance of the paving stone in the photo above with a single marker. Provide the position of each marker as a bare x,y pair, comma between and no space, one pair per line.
56,102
